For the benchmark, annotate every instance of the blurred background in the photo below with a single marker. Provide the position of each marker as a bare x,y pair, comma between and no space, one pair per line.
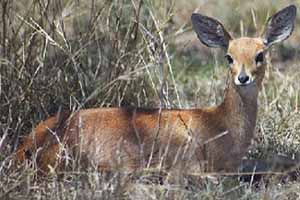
74,54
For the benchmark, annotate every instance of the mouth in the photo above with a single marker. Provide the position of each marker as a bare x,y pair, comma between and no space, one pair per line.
249,82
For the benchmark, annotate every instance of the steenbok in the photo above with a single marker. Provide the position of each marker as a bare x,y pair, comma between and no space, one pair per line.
215,138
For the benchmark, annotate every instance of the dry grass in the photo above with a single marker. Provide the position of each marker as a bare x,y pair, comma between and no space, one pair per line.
81,54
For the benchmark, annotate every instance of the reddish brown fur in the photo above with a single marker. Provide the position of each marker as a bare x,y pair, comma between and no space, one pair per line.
98,134
105,131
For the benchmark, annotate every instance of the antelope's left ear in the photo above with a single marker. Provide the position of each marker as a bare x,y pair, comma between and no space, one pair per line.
280,26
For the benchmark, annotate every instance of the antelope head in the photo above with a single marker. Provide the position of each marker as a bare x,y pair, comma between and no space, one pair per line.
245,55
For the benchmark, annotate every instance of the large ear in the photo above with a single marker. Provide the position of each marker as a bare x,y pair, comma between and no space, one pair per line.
210,32
280,26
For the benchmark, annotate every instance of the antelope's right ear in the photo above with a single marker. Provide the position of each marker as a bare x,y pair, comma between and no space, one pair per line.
210,31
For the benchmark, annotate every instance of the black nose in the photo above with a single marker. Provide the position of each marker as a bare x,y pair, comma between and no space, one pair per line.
243,78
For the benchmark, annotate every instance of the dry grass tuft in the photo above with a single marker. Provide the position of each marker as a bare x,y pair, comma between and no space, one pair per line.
81,54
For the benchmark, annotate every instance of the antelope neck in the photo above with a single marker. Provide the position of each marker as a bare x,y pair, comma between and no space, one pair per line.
240,106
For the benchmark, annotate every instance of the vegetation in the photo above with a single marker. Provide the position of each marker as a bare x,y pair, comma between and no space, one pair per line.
64,54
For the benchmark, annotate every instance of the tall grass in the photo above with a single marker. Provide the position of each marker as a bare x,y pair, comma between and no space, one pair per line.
79,54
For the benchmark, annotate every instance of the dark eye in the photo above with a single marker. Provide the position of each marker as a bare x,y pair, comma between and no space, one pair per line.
259,58
229,59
